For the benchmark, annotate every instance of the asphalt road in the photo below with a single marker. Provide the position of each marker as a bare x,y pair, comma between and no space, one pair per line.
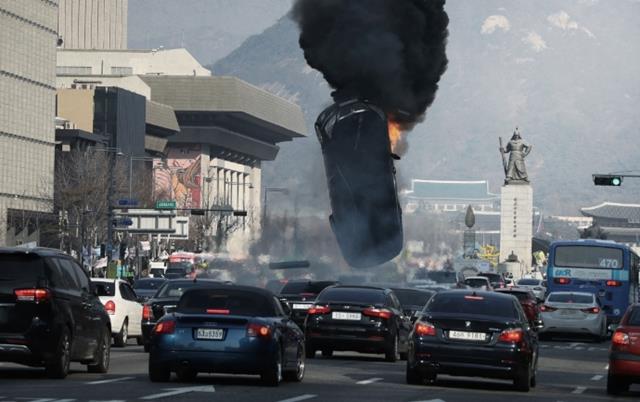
569,370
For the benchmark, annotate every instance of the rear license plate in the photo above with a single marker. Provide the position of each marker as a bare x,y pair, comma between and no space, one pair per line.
568,312
210,334
341,315
468,336
302,306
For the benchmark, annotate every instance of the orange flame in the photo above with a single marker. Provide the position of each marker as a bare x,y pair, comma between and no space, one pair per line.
395,133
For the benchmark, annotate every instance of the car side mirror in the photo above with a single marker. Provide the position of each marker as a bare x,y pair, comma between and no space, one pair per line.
287,310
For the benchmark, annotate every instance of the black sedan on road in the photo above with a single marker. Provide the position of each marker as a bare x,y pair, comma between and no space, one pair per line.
146,288
300,296
357,318
227,329
165,301
413,300
476,334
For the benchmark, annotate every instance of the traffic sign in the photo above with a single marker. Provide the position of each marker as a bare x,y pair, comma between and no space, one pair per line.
166,204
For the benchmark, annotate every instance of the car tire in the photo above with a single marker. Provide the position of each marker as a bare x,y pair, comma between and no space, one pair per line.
121,338
522,382
413,376
272,375
297,374
327,352
103,354
186,374
58,366
158,373
391,353
616,386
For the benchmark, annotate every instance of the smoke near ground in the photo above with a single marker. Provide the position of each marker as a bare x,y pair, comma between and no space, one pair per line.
389,52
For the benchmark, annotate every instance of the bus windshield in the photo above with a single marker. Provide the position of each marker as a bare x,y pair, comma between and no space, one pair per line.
588,257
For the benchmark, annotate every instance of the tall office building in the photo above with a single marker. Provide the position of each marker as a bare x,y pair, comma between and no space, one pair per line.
28,36
93,24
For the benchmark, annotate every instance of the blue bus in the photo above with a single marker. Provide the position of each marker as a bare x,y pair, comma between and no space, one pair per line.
605,268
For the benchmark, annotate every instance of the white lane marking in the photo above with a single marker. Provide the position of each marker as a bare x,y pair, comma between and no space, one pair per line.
178,391
71,400
369,381
432,400
597,377
300,398
579,390
109,381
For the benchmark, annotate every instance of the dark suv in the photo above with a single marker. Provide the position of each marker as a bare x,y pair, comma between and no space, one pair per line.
300,296
49,313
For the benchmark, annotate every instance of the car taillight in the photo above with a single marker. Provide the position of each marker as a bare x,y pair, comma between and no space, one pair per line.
147,312
620,339
165,327
591,310
217,311
110,306
378,312
511,335
614,283
32,295
562,281
547,309
319,310
254,330
425,329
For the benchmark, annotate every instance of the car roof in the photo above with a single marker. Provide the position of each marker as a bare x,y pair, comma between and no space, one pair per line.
476,277
470,292
361,287
571,293
395,289
243,288
514,290
39,251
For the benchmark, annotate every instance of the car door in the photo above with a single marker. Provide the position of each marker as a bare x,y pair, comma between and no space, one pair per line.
404,321
91,308
290,332
133,308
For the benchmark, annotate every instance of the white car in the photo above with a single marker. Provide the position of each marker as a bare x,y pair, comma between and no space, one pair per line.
537,286
125,312
573,313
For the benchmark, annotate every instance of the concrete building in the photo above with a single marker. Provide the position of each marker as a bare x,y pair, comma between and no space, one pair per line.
28,36
450,196
615,221
93,24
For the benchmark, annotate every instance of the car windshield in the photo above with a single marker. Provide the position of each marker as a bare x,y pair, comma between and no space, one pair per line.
469,304
175,289
529,282
304,287
475,282
226,302
492,277
148,284
409,297
570,298
588,257
352,295
105,288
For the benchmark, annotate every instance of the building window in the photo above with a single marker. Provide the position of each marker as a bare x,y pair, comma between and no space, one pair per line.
73,70
121,70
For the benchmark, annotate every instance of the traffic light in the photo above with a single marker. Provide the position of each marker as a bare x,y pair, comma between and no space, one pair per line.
607,180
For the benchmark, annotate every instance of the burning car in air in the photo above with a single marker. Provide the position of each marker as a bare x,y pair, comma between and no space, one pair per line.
366,216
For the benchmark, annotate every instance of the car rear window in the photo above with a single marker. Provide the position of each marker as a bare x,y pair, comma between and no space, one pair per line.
492,277
226,301
529,282
412,297
20,270
634,317
472,305
570,298
105,288
352,295
148,284
521,296
475,282
304,287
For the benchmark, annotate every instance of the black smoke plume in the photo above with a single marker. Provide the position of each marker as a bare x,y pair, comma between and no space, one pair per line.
388,52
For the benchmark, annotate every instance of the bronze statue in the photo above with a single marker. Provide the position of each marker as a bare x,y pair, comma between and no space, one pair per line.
515,170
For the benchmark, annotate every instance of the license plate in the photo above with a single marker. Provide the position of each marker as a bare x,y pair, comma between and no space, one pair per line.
301,306
210,334
568,312
467,336
341,315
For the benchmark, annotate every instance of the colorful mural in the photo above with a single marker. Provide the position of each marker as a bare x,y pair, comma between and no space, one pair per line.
178,177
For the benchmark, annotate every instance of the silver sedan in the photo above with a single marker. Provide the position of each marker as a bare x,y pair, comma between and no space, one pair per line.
573,313
537,286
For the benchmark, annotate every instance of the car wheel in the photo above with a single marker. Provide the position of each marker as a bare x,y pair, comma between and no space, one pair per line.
103,354
272,376
391,353
413,376
186,374
120,340
327,352
58,366
158,373
616,386
522,382
297,374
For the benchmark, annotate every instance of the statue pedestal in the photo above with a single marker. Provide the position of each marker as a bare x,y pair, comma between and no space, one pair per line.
516,226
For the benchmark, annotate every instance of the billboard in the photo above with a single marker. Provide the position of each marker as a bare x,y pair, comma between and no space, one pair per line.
179,176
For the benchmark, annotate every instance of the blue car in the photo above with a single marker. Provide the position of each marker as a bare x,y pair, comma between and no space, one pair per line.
227,329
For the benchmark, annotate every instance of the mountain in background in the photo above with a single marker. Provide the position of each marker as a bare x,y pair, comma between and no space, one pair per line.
210,29
564,71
